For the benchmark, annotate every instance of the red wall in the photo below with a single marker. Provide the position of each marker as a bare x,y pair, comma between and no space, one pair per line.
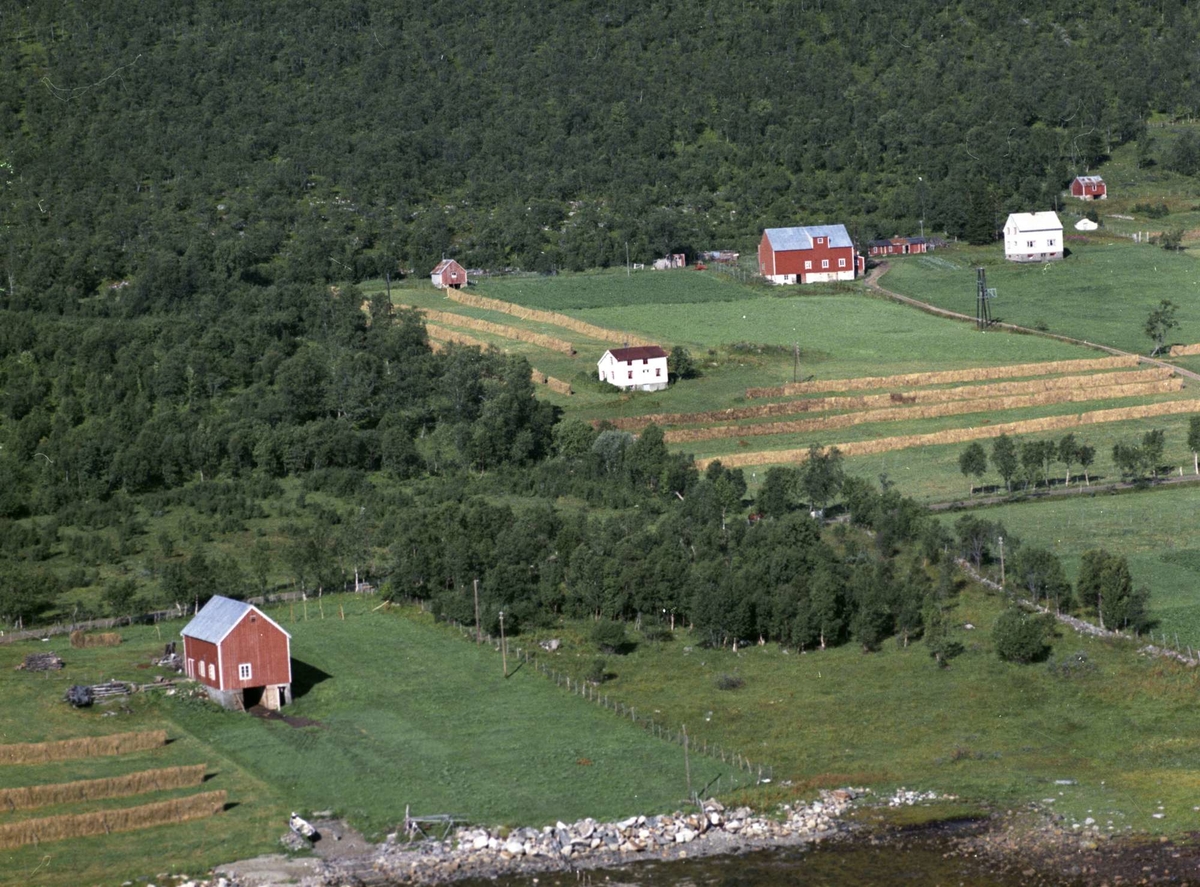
792,261
256,641
196,650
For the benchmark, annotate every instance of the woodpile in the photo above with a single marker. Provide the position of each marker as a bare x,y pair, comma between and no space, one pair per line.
81,747
871,401
932,411
34,796
548,317
103,822
961,435
41,662
947,377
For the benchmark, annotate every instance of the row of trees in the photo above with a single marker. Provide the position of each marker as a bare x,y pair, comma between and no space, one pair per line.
1027,461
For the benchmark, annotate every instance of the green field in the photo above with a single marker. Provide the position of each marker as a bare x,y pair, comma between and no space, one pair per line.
403,714
1124,728
1156,530
605,289
1102,292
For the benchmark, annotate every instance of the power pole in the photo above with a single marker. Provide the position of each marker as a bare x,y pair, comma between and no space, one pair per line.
983,297
503,645
478,633
795,361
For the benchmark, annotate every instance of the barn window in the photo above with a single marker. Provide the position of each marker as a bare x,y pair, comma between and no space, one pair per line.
841,263
244,671
201,668
212,672
824,263
808,266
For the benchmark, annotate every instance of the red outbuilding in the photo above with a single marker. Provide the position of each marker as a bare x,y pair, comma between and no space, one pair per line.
1089,188
449,273
808,254
239,654
899,246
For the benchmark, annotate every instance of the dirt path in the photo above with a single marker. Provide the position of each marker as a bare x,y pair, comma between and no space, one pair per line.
1060,492
873,284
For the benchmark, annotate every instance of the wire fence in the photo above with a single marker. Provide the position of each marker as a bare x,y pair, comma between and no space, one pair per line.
742,771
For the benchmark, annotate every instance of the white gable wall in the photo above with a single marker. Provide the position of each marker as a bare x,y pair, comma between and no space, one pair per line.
1033,237
649,374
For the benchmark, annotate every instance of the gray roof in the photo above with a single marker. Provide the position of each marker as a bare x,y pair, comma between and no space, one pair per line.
218,617
802,238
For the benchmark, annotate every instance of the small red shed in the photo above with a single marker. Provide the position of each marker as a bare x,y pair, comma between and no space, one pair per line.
449,273
1089,188
239,654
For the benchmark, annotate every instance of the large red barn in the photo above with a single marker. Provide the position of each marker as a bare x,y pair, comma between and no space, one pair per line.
810,254
241,655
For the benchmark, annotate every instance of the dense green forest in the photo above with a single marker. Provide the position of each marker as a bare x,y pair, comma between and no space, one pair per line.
182,183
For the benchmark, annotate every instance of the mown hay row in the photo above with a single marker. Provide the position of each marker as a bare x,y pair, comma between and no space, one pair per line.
102,822
32,796
931,411
872,401
962,435
499,329
977,374
81,639
548,317
82,747
1184,350
540,378
440,337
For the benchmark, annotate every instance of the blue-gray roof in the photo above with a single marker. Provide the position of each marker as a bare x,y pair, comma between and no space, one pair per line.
218,617
802,238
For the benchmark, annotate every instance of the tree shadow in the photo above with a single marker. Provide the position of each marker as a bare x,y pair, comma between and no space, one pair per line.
305,677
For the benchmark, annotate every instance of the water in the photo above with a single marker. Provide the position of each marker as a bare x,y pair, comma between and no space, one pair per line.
913,859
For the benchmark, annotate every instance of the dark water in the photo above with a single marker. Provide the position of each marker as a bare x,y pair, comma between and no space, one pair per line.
911,860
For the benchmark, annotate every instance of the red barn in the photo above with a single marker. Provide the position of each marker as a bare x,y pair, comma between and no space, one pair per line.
808,255
240,654
449,273
1089,188
898,246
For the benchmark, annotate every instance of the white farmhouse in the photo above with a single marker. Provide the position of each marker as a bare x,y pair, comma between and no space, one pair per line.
643,368
1033,237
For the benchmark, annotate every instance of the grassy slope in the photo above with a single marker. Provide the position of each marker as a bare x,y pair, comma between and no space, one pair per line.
981,729
1154,529
407,715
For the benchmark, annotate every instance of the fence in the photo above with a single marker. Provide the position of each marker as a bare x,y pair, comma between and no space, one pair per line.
744,773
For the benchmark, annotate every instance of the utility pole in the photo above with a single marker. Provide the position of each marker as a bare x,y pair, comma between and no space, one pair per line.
1001,561
795,361
626,259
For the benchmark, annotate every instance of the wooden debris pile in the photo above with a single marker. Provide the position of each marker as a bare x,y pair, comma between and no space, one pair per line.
41,662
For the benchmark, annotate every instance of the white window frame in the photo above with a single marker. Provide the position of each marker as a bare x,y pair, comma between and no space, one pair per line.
212,671
841,263
245,672
808,264
824,264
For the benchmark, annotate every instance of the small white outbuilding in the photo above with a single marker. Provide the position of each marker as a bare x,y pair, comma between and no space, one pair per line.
641,368
1033,237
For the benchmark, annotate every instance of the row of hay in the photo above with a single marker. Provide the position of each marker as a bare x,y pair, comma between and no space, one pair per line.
932,411
82,747
943,377
1184,350
548,317
540,378
439,337
498,329
872,401
32,796
102,822
103,639
962,435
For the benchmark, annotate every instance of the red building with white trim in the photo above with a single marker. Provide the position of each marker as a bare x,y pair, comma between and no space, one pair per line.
1089,188
899,246
812,254
239,654
449,274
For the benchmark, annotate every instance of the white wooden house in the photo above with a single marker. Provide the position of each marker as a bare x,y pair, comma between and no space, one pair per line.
642,368
1033,237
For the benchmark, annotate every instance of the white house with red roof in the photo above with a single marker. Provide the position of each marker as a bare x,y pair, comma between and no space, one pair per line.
1033,237
642,368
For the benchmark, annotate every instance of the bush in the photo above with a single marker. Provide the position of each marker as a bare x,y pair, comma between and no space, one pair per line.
610,636
596,673
729,682
1022,637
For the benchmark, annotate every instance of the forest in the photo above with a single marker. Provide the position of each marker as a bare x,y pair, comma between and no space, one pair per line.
191,191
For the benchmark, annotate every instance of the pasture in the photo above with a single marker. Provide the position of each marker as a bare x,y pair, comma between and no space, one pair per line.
1102,292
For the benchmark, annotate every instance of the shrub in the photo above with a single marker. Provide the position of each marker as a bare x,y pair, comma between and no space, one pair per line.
595,673
1022,637
729,682
610,636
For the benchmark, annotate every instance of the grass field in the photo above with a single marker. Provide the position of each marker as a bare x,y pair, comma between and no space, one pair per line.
1155,529
1101,293
402,714
1124,729
605,289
